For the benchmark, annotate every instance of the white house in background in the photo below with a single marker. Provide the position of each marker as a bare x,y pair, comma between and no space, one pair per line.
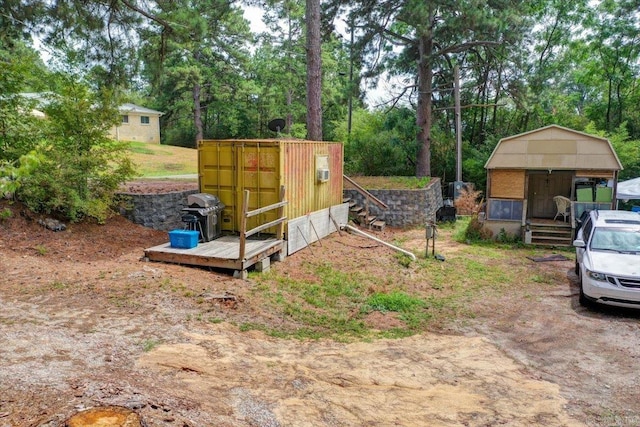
137,124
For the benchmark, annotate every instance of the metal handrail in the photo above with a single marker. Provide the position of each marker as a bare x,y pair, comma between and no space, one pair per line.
365,193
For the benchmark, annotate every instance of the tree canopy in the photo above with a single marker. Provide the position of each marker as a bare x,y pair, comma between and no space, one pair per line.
523,65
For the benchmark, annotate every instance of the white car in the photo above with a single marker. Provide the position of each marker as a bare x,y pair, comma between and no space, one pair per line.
608,258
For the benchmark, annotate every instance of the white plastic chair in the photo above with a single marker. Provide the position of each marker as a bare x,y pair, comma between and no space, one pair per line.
563,205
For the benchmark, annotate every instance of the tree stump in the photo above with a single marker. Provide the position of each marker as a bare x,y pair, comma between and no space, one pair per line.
106,416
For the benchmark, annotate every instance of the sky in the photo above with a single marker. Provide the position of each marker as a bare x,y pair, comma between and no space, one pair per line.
374,96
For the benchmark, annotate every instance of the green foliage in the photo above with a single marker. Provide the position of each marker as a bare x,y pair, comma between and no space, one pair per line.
20,130
403,259
150,344
394,301
504,237
628,152
5,214
379,144
471,231
74,171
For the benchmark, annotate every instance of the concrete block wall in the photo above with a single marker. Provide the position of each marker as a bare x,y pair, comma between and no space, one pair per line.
406,207
161,211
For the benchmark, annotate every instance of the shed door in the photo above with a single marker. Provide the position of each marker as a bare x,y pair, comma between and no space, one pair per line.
542,188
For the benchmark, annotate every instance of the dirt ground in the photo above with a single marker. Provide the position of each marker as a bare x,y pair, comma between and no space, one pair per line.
85,322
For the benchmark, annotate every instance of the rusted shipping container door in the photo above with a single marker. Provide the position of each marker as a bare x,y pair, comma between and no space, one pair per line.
217,175
227,168
258,172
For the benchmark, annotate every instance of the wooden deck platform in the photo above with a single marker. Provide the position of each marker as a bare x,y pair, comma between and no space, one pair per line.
220,253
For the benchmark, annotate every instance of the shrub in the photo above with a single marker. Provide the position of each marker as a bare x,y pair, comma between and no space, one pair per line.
75,170
468,202
476,232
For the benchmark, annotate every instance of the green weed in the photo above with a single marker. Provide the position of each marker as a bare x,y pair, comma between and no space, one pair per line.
58,285
5,214
394,301
150,344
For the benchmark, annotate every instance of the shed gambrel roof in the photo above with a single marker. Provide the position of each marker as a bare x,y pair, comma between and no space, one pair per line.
554,147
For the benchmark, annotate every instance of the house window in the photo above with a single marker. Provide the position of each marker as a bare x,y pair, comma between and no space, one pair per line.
125,119
144,120
505,210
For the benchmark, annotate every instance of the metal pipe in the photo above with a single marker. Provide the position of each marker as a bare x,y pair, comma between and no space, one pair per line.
389,245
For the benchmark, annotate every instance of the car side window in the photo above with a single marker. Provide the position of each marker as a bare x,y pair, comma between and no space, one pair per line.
587,228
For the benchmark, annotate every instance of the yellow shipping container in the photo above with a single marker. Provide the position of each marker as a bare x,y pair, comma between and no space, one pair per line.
310,171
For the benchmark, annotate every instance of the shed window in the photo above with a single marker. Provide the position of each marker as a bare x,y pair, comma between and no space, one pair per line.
505,210
144,120
125,119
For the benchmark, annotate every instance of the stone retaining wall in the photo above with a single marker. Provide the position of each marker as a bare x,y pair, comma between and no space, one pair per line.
406,207
161,211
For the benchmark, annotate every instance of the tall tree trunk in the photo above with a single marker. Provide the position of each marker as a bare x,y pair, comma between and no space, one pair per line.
289,118
314,72
197,113
496,99
423,113
620,103
608,115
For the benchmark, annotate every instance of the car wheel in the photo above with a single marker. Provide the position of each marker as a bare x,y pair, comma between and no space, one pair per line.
583,299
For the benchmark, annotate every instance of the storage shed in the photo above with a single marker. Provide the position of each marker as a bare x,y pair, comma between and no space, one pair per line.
526,173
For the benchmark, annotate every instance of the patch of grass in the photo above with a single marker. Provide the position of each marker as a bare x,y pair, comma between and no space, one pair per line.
154,160
150,344
5,214
58,286
537,278
390,182
339,300
140,148
394,301
403,259
41,249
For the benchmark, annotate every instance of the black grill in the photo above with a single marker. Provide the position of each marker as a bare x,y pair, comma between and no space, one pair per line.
203,215
629,283
624,282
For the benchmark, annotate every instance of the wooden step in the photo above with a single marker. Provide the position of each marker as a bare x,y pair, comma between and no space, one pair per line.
554,243
356,209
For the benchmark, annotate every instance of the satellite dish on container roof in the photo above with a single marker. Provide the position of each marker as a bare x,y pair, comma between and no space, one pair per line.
276,125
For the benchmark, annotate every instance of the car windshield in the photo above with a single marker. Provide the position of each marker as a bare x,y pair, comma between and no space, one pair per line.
616,239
